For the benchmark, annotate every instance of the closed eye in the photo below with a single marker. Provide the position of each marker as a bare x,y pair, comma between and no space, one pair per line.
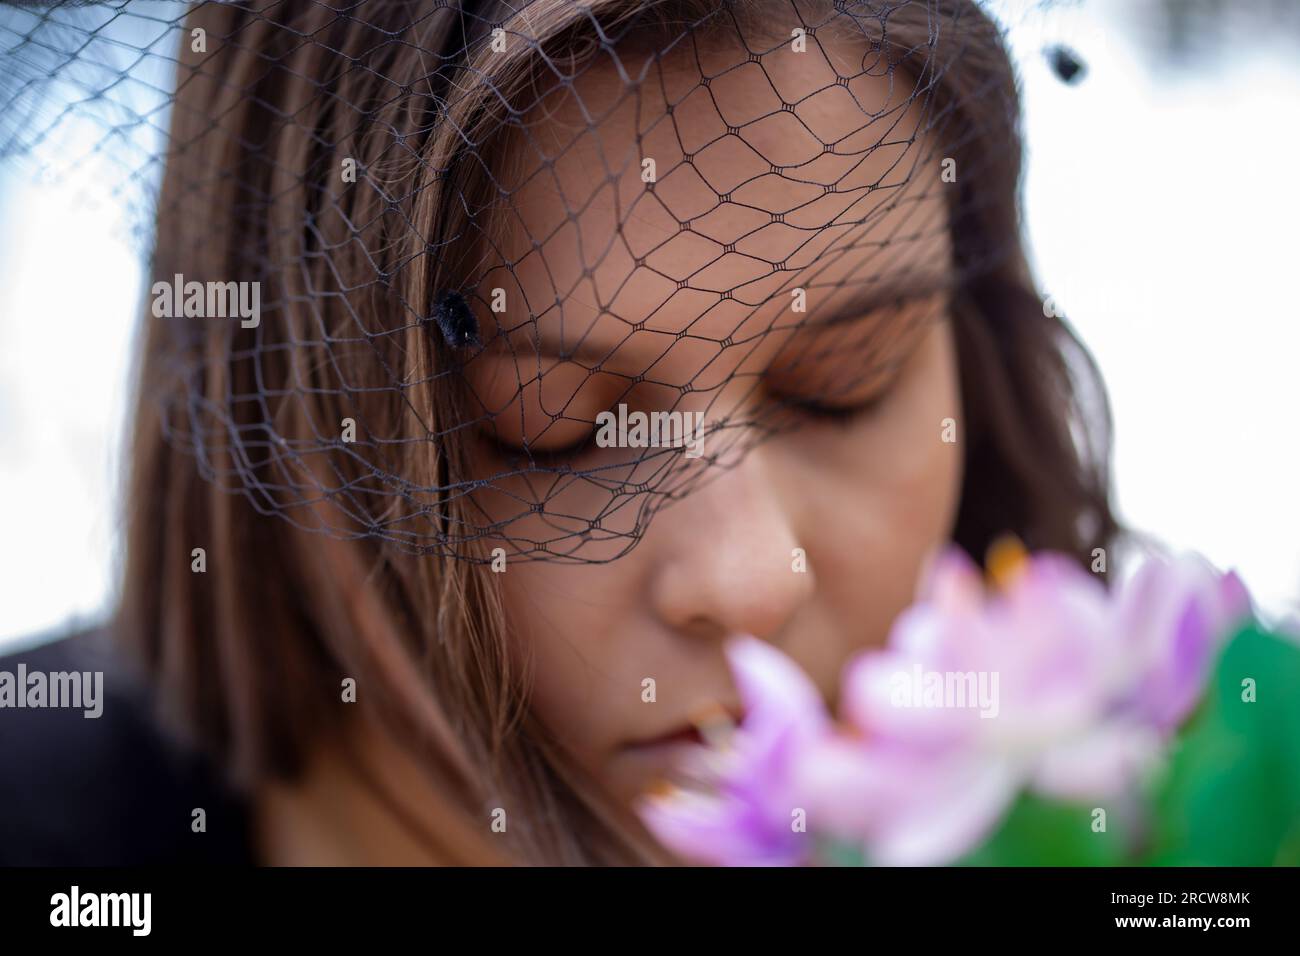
558,457
540,454
845,414
545,457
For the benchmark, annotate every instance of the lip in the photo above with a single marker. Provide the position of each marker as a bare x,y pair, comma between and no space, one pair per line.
690,732
682,755
666,759
688,735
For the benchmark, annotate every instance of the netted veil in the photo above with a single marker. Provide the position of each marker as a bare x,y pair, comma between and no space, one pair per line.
482,279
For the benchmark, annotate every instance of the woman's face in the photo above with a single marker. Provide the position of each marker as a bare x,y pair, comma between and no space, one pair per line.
811,538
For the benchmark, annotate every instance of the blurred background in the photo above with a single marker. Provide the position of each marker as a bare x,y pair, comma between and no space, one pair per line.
1161,203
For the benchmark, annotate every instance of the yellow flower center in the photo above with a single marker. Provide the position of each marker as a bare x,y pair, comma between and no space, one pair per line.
1005,561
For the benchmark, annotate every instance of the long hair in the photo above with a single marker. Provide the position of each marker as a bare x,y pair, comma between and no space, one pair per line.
250,655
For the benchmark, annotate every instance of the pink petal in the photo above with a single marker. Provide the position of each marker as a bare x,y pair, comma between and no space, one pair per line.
947,818
1101,764
773,689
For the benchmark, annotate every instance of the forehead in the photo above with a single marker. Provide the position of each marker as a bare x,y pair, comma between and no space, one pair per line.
692,193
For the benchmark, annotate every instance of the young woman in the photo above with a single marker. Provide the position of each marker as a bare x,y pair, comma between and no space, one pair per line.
384,571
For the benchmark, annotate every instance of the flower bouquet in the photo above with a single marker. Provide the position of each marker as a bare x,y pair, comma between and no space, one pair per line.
1039,718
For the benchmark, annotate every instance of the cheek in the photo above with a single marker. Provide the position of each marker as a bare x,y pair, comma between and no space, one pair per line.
565,632
885,497
912,475
540,624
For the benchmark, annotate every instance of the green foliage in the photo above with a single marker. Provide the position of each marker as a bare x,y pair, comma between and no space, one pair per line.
1231,796
1039,832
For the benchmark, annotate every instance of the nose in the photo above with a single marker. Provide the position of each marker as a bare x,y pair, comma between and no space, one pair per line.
725,554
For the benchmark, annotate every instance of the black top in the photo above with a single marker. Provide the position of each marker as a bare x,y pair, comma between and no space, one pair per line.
111,790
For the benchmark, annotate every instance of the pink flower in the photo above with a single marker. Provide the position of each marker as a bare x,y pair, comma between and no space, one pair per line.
751,817
1049,683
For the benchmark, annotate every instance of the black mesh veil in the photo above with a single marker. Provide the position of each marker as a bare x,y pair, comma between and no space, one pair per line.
475,276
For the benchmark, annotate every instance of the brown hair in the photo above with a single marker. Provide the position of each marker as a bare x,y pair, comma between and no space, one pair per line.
250,655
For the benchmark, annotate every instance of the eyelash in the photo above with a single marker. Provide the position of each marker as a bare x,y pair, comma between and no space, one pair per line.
842,415
553,457
547,457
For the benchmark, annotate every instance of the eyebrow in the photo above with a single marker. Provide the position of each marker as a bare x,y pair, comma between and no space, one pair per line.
878,296
883,294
